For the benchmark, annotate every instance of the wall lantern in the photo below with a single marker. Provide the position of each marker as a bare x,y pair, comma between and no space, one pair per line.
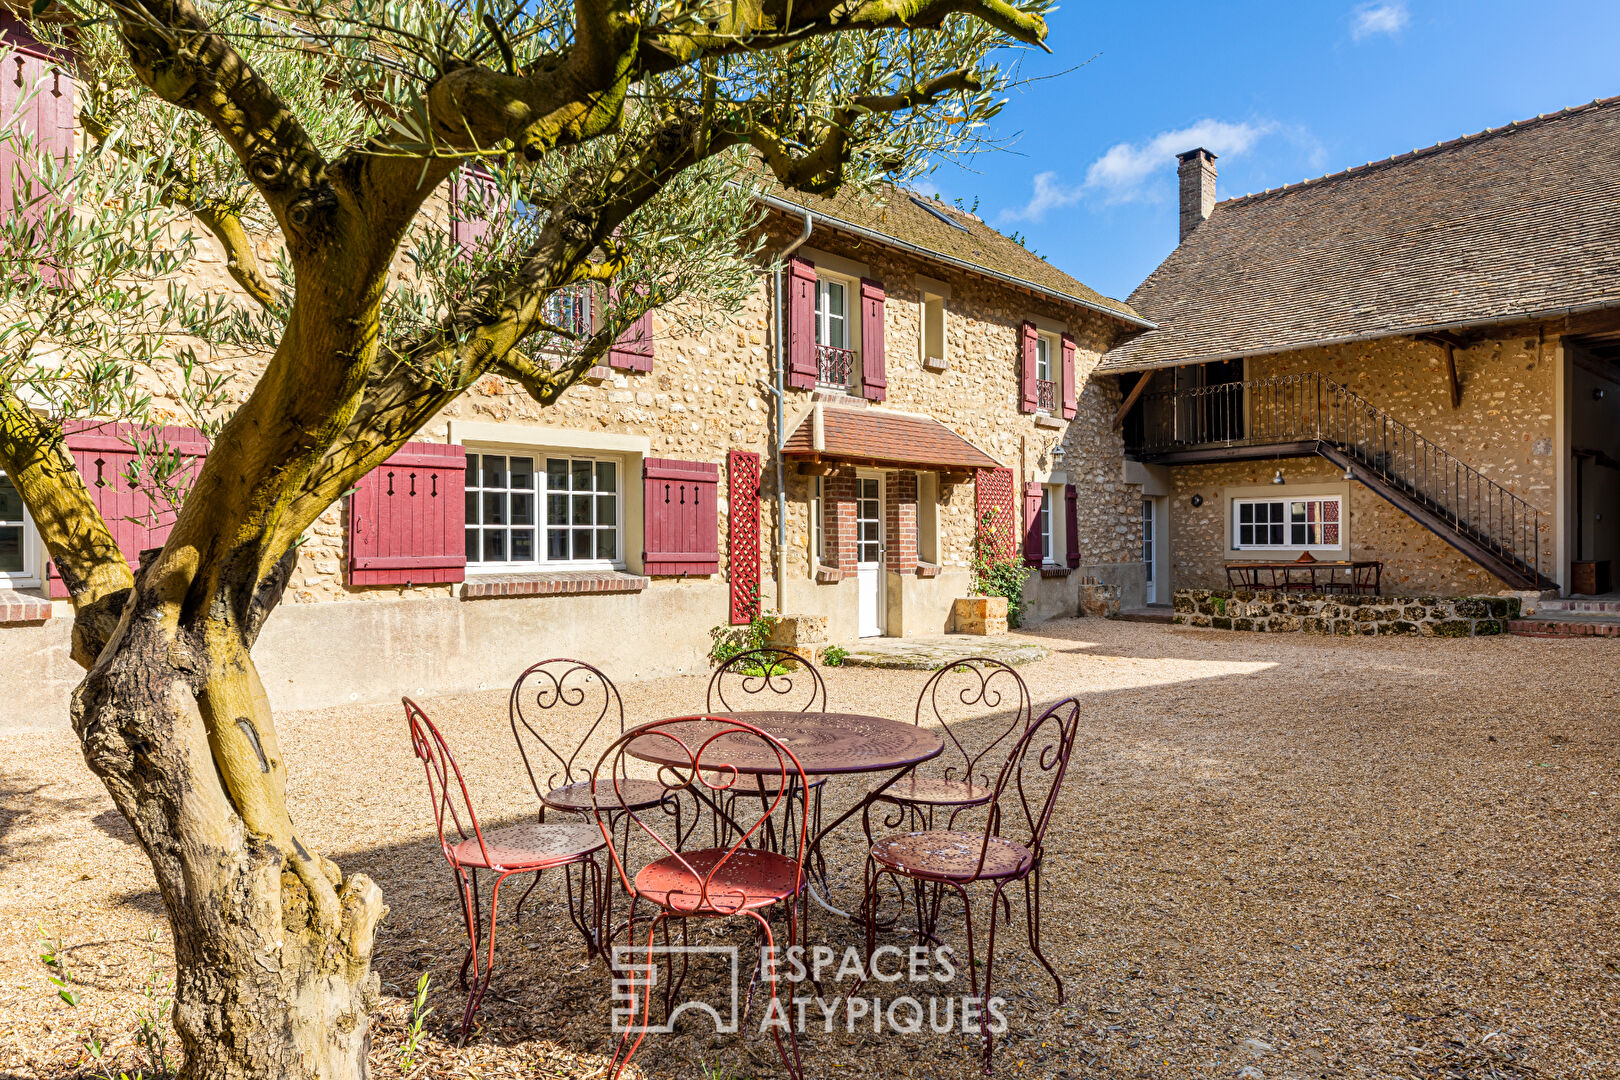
1277,479
1197,500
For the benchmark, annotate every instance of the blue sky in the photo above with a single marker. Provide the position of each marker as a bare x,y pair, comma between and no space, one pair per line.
1280,90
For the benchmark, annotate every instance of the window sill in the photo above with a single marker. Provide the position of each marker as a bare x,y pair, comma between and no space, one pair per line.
553,583
1047,420
927,569
23,607
1052,570
936,363
828,575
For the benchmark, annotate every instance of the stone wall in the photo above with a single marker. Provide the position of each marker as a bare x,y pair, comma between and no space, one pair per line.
1504,427
1279,612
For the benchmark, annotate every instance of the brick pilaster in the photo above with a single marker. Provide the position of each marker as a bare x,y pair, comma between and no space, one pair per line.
900,523
838,521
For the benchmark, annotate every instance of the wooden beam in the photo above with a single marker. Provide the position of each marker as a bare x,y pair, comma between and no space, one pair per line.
1450,343
1130,399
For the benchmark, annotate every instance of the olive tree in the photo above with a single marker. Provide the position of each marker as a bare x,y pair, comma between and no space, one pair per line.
313,141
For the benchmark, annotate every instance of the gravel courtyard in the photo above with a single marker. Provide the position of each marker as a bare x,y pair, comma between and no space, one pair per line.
1276,856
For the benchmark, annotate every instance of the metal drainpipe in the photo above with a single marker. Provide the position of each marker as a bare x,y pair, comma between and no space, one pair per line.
780,391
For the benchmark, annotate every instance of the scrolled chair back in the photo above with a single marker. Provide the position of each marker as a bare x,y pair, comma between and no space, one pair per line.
962,690
704,755
767,678
447,790
1027,788
582,698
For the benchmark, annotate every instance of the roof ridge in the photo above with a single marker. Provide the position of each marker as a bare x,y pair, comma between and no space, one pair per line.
1424,151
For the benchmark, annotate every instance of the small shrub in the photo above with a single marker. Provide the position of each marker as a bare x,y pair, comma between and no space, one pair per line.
834,656
995,574
728,641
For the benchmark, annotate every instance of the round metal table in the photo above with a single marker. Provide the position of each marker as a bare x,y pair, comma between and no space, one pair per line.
826,744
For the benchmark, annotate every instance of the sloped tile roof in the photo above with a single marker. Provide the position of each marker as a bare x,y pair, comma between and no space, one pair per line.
952,236
879,437
1517,221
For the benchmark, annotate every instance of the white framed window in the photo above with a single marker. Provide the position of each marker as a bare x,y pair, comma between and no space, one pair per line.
1045,386
1043,358
933,329
928,517
832,312
571,308
1312,521
19,546
528,511
817,550
1046,524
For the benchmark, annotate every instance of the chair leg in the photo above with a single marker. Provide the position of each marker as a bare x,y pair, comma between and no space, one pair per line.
793,1064
985,1033
480,980
626,1048
1032,920
467,887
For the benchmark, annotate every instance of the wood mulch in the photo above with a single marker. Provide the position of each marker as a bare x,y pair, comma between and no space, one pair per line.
1276,856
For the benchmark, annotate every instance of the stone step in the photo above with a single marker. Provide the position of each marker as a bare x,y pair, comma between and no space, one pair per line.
1576,604
1153,613
1566,625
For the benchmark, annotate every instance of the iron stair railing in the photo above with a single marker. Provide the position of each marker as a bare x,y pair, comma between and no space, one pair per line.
1312,409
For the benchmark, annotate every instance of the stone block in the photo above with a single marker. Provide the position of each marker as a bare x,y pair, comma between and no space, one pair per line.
1198,620
1221,622
1343,628
1286,623
981,615
1184,604
1314,625
1472,608
1489,627
1451,628
1401,626
805,635
1099,601
1243,624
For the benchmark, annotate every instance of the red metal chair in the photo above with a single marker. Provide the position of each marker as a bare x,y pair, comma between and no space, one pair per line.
769,679
933,860
954,692
735,881
583,701
514,849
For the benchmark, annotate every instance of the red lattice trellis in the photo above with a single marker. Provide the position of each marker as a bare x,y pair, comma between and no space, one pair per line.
742,534
993,494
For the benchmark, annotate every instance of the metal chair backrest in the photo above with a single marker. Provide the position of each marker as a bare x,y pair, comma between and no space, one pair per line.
446,789
1031,778
582,697
778,678
701,754
962,689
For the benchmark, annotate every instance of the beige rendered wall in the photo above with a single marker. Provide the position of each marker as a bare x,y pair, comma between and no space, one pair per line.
1505,427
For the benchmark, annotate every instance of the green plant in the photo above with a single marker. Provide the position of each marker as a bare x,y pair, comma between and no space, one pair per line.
995,574
53,954
729,641
151,1039
834,656
413,1030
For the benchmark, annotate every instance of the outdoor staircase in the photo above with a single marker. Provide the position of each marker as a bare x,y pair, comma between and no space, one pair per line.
1296,415
1572,617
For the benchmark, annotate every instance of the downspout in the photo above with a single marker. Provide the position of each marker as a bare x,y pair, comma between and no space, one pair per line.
779,374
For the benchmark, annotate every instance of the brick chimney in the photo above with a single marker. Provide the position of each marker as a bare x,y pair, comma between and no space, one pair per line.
1197,188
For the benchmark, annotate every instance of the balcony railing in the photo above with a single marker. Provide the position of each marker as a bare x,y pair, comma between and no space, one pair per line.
1312,409
1046,395
835,366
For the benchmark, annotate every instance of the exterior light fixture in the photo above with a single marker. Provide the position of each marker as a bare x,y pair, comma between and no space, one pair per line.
1277,479
1197,501
1598,393
1349,473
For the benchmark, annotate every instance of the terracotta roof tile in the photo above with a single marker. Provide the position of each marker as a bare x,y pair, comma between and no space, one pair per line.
1517,221
878,437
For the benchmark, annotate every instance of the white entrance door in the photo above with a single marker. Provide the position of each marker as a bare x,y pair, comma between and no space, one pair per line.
869,553
1149,550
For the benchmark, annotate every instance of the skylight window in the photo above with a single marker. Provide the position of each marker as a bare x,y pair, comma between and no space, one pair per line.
937,212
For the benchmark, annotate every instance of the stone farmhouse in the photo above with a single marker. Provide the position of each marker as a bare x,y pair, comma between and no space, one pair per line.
926,366
1414,362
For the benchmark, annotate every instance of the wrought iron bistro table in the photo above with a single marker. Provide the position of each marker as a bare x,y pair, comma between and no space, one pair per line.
826,744
1364,576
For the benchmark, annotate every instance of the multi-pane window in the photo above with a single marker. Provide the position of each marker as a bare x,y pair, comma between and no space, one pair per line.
13,530
526,510
868,520
1288,523
1046,525
1043,358
832,313
569,308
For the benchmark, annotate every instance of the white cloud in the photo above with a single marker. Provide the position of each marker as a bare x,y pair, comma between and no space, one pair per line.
1370,19
1122,173
1048,195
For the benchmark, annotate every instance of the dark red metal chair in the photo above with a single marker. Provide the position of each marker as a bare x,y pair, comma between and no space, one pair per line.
582,700
1009,851
955,692
514,849
735,881
769,679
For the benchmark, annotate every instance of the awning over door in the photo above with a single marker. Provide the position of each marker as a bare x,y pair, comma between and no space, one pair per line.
878,437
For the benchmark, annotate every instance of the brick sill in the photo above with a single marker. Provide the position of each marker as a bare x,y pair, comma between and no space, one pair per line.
927,570
555,583
828,575
1055,571
23,607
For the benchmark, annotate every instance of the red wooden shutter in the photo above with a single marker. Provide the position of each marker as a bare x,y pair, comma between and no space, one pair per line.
681,522
1067,375
993,497
37,84
874,381
742,534
104,453
407,518
1071,524
1028,399
800,320
469,208
633,351
1032,524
